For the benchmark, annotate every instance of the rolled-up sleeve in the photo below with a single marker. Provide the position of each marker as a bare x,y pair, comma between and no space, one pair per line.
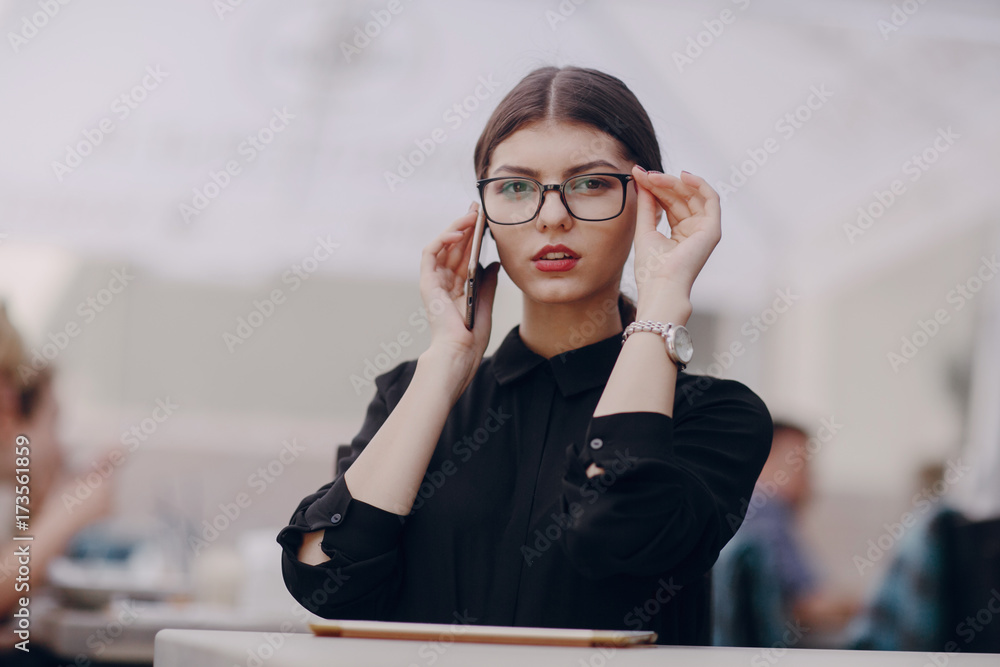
672,488
362,577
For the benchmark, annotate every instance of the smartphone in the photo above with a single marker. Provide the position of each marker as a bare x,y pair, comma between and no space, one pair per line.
475,272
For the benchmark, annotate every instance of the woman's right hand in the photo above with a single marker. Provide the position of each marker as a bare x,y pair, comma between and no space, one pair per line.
443,271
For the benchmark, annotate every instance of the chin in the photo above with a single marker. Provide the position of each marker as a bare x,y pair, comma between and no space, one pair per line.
565,292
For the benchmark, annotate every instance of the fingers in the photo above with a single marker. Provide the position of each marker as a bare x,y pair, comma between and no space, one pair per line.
428,257
705,203
709,200
647,212
682,196
671,192
459,252
465,226
439,250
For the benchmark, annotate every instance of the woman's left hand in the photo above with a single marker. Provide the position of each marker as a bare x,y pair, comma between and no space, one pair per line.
694,213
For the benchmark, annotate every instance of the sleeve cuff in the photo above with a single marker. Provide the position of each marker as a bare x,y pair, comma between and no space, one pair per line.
642,435
353,527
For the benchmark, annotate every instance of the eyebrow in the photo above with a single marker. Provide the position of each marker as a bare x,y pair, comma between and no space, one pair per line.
572,170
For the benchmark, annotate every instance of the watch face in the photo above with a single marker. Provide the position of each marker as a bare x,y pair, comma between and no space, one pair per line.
682,344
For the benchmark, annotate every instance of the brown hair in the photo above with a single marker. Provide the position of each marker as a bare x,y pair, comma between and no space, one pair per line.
12,358
581,95
11,349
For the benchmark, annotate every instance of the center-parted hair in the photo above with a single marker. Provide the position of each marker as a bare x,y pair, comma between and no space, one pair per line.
576,95
572,94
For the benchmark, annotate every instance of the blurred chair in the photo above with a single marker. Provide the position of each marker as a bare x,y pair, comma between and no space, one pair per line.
747,609
942,590
909,610
975,580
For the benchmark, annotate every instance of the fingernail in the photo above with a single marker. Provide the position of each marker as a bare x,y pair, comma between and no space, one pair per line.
685,172
472,207
640,168
653,171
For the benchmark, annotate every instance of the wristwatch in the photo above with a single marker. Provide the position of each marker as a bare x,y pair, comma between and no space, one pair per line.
677,339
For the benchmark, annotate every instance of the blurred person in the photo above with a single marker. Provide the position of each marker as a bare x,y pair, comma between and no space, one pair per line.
577,477
784,592
917,603
28,407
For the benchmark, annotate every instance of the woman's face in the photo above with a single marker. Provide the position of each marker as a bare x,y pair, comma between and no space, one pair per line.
550,152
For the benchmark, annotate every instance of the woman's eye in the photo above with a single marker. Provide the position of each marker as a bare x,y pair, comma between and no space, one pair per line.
516,187
589,185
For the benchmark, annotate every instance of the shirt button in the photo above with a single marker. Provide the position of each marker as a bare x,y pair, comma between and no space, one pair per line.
336,518
596,443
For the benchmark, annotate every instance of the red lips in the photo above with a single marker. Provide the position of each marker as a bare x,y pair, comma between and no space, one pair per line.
549,265
555,248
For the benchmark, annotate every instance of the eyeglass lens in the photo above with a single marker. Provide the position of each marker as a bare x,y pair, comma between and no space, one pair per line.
588,197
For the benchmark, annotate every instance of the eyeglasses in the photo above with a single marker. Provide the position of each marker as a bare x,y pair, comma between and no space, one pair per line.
517,200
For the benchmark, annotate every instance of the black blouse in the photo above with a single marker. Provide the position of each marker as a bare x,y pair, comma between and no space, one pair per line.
507,529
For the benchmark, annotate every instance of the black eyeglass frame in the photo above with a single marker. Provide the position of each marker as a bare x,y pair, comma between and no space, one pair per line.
561,188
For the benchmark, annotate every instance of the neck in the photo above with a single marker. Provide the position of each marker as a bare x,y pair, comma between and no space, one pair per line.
549,329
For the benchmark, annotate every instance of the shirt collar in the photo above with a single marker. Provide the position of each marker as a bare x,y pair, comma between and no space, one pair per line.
574,370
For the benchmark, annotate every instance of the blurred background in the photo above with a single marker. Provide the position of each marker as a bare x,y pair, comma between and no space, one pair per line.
211,217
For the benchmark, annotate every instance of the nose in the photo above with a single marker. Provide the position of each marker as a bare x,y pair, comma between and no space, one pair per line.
553,212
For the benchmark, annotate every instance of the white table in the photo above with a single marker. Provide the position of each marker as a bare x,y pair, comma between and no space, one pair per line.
124,631
212,648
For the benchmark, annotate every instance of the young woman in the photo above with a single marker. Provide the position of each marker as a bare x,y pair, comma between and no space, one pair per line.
28,425
572,479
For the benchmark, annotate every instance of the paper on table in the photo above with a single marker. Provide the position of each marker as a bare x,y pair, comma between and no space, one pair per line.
487,634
